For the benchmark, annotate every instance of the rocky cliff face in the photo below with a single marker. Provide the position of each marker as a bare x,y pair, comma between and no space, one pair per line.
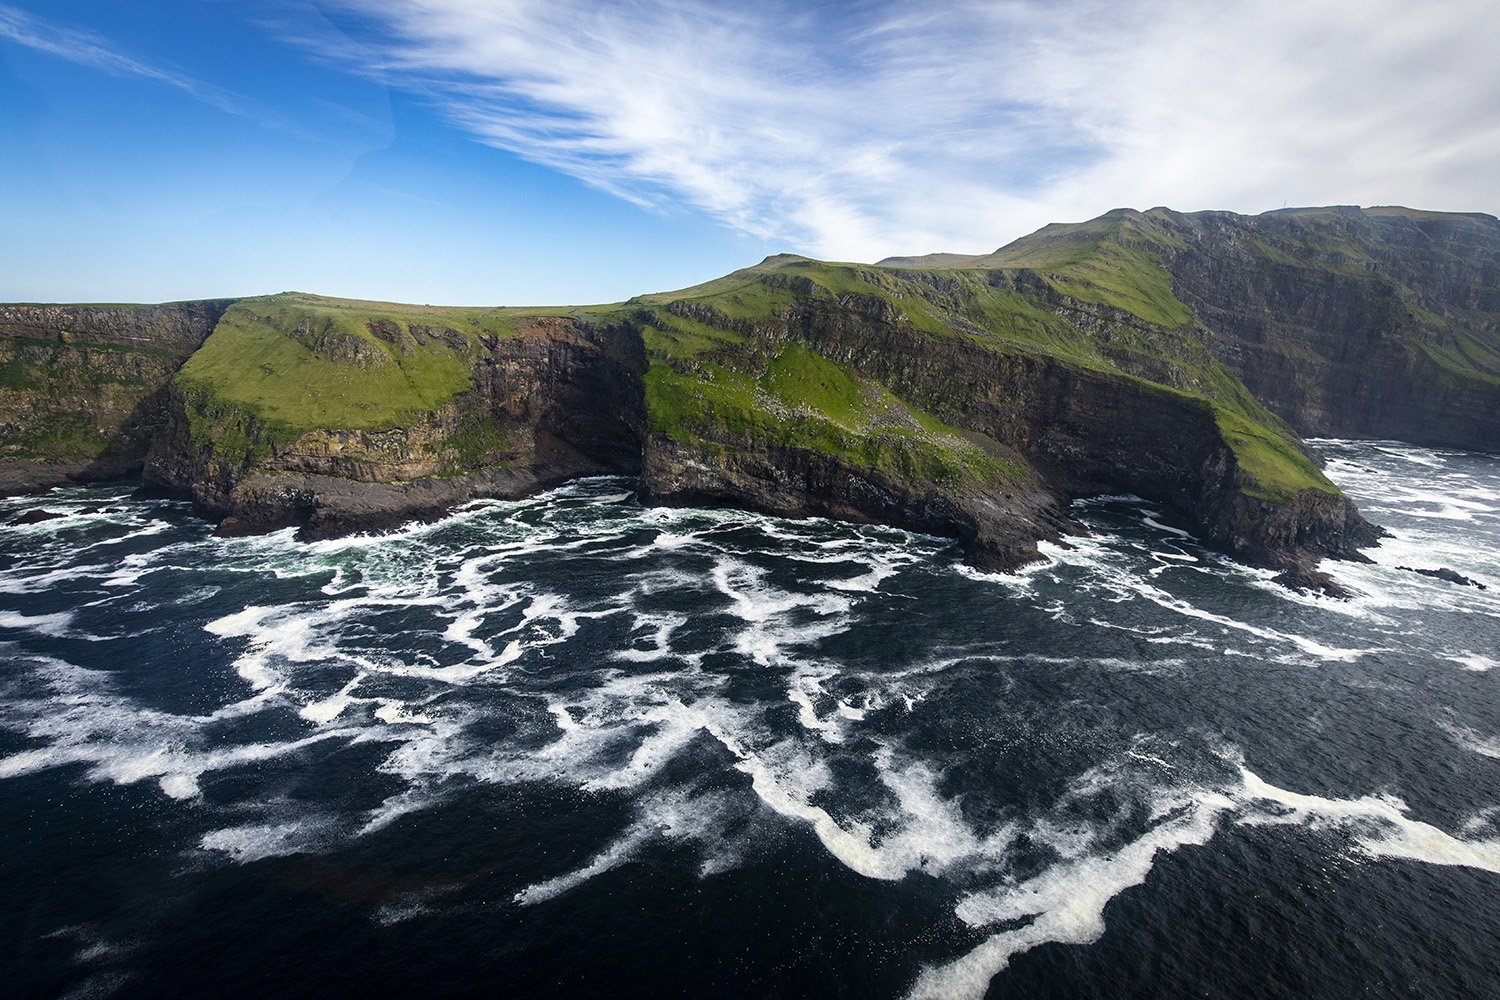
82,387
1148,353
557,401
1075,431
1353,323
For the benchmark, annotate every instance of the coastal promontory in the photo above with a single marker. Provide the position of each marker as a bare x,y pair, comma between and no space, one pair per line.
1178,357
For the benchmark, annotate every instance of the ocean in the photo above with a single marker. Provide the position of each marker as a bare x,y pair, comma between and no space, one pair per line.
572,746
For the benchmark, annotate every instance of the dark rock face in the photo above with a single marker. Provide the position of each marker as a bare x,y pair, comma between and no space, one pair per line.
1341,321
557,402
83,388
997,531
1305,580
176,327
1446,574
37,517
1312,526
1084,432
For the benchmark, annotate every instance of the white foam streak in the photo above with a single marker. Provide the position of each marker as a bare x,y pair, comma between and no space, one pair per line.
767,610
327,709
802,692
787,794
649,756
1168,529
56,626
34,578
1312,646
85,721
1066,902
1380,823
932,834
256,841
1119,576
612,857
393,712
661,627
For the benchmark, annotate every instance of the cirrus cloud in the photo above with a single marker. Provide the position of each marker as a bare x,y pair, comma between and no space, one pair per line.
858,130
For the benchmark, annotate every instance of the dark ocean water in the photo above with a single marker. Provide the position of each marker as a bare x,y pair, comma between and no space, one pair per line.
574,747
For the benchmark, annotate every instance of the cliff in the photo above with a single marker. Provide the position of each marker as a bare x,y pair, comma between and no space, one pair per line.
960,404
82,387
344,416
1376,323
1381,323
1172,356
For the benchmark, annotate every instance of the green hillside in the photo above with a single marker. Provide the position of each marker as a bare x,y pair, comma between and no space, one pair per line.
715,351
1130,350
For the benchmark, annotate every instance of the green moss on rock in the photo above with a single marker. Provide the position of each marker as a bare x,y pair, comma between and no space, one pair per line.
800,399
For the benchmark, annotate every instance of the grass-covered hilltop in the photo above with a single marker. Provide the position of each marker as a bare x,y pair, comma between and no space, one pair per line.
1173,356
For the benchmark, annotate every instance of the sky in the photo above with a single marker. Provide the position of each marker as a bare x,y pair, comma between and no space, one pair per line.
528,152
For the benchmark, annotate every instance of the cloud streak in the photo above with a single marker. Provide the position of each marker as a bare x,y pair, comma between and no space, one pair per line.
88,49
854,131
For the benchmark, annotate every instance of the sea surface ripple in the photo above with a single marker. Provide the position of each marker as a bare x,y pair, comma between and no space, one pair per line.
574,746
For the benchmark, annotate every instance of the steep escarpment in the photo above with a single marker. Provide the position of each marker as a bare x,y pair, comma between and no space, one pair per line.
774,424
1381,323
82,387
1375,323
1177,357
342,416
969,405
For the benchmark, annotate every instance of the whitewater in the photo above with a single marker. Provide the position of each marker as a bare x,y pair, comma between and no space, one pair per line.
576,746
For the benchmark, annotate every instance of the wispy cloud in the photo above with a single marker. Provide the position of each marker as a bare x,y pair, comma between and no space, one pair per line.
88,49
856,130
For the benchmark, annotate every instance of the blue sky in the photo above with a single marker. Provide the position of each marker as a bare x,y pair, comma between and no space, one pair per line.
520,152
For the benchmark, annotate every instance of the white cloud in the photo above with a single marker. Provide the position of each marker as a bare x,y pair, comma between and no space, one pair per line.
88,49
866,129
79,47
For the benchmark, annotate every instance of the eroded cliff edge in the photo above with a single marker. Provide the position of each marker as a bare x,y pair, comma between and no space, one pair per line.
962,396
336,433
82,386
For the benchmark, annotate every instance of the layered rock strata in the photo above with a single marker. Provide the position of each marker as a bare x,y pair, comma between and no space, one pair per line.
82,388
555,403
1352,323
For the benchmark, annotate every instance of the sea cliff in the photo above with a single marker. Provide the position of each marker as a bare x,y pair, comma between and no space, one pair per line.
1176,357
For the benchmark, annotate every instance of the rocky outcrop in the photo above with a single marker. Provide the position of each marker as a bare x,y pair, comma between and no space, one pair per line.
178,328
1445,574
998,529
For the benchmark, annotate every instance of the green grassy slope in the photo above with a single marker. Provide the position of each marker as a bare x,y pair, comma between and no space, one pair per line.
304,362
720,367
714,373
279,366
791,396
